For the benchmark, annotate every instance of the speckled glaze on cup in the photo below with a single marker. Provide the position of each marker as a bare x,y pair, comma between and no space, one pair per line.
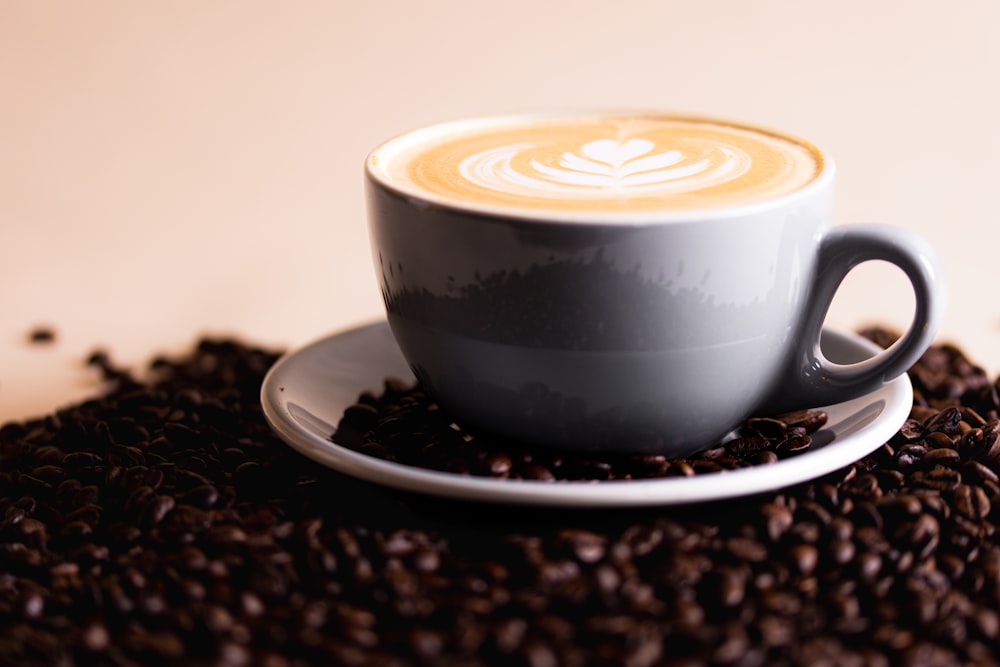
648,331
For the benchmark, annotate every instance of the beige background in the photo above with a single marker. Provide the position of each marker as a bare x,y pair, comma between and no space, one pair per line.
176,168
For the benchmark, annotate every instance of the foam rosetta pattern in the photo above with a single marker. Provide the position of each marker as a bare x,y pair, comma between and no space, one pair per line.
618,163
602,168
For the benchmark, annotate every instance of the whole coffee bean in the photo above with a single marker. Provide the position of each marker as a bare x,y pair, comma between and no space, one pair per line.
841,551
945,456
158,508
768,427
977,470
911,431
746,549
748,446
938,478
499,464
793,443
988,447
810,420
778,519
509,634
910,455
945,421
536,472
766,456
805,557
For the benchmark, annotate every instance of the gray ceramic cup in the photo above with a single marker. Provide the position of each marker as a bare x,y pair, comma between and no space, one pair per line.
658,335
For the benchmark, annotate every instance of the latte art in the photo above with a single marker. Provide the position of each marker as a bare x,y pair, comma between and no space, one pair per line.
601,164
603,167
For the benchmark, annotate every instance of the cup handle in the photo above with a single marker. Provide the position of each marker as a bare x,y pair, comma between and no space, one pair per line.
811,379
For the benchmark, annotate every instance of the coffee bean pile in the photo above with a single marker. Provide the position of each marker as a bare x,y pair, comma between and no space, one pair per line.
404,425
162,522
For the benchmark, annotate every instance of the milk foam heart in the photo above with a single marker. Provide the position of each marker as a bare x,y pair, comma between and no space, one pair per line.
615,163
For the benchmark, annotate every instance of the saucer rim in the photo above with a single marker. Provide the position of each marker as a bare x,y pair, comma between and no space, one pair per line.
278,407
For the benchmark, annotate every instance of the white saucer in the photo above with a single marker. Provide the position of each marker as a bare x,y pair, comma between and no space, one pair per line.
306,392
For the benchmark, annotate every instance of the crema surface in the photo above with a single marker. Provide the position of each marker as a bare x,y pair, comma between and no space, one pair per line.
603,164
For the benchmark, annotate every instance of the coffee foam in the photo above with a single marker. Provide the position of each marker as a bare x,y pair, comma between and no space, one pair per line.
611,164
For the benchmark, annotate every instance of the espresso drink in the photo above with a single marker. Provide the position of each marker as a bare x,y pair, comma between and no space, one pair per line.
598,163
634,282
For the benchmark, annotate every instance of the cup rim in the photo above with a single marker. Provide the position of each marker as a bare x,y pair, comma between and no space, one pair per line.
823,178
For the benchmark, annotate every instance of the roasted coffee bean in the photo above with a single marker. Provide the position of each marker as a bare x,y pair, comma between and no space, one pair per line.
944,456
793,443
946,421
778,519
977,470
910,455
203,496
987,447
42,334
746,549
763,457
938,478
498,464
749,445
810,420
536,472
910,431
585,545
972,502
768,427
805,558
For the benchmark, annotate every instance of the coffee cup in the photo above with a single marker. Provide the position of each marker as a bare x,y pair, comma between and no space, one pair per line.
624,282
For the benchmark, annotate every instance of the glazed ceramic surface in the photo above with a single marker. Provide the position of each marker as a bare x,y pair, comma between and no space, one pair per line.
305,394
632,333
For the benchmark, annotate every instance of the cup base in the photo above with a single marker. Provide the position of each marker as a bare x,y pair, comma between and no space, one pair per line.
671,402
